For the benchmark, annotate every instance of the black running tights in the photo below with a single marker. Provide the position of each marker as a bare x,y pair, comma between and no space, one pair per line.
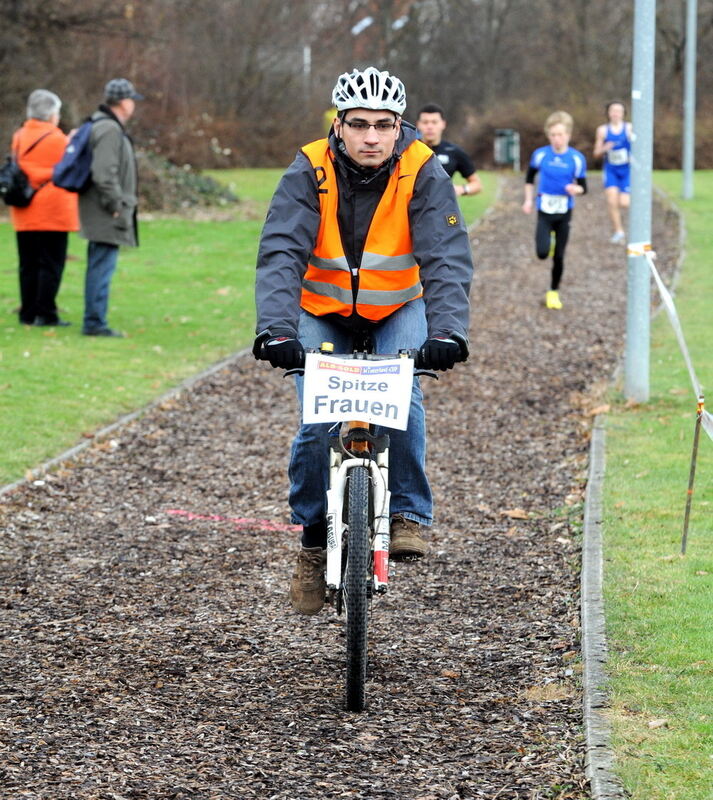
559,225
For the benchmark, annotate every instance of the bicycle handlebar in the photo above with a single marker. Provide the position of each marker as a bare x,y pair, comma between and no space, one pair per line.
367,356
412,353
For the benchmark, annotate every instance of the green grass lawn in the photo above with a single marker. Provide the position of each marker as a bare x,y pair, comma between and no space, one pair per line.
474,207
184,298
659,606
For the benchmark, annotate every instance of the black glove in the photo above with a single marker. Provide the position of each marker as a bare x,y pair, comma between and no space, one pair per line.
283,352
439,353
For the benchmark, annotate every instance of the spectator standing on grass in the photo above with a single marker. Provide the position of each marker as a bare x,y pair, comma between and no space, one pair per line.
431,122
613,143
42,227
107,209
562,177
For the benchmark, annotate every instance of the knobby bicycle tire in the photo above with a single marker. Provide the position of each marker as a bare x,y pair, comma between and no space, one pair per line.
355,585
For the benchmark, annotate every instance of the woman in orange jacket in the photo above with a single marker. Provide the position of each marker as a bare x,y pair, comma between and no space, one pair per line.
42,227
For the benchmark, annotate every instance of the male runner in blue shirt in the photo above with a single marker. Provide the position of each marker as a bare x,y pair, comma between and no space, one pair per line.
613,142
562,171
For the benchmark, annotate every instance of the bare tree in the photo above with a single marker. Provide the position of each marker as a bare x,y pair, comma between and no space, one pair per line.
32,46
247,81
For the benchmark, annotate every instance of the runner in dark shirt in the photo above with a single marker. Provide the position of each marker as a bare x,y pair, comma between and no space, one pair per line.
431,123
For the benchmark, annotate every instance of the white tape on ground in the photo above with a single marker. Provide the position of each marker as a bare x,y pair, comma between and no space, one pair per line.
675,322
707,422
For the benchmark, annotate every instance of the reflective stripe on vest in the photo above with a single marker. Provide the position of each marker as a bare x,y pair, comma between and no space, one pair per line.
388,275
368,296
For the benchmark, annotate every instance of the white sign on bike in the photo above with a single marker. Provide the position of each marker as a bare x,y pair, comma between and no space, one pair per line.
342,389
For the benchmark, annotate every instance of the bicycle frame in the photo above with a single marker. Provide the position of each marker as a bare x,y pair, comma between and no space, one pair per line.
339,467
358,527
341,462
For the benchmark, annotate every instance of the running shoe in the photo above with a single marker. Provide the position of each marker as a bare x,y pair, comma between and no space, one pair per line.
552,299
618,238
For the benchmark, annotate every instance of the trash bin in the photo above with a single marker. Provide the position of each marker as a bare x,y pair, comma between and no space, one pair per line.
507,148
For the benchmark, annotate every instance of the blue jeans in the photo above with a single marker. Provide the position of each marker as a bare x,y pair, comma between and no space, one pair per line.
101,263
309,463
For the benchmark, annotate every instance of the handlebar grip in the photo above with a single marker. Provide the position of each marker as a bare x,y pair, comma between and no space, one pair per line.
415,354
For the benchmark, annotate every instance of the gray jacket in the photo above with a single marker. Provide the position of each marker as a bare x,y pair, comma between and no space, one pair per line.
114,185
440,247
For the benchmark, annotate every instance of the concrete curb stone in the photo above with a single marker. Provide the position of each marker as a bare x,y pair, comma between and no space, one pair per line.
599,759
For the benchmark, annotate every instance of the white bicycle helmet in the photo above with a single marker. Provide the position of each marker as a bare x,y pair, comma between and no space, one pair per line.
371,89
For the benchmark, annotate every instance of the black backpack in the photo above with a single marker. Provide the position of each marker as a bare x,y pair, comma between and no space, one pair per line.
14,186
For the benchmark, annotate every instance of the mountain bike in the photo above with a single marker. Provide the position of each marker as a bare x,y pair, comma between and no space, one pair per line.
358,525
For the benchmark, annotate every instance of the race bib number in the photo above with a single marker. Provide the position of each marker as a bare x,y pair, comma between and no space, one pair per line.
554,203
618,156
342,389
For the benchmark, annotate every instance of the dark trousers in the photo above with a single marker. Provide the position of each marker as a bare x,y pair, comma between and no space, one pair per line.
547,224
42,255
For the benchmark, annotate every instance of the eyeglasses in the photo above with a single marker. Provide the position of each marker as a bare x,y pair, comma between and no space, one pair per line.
360,126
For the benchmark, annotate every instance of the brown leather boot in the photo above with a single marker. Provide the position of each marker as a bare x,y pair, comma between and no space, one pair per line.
308,586
407,544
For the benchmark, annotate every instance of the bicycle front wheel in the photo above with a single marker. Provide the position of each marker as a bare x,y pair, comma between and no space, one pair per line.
355,586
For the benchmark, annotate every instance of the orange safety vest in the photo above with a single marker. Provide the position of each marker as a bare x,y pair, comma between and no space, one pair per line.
388,275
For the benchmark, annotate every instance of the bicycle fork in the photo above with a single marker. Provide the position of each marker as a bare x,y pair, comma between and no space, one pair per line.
339,467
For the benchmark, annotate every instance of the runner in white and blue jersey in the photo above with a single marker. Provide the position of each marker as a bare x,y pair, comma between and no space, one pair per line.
562,176
613,143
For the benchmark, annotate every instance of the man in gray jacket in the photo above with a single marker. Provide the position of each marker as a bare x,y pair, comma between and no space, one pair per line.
363,236
107,209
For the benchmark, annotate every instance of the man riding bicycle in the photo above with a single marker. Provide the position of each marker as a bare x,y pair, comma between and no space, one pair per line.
363,237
